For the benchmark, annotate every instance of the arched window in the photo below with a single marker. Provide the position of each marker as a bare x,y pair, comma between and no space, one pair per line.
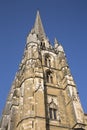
52,111
49,77
42,45
47,60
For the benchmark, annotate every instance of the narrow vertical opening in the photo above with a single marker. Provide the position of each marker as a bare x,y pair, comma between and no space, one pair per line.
49,77
50,113
55,113
47,60
6,127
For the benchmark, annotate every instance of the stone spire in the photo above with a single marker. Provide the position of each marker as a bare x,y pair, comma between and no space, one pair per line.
38,27
43,94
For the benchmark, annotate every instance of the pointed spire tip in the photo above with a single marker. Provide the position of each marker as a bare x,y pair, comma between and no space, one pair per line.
38,27
38,12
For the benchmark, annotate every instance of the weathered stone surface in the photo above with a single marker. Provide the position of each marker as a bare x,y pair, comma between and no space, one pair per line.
43,95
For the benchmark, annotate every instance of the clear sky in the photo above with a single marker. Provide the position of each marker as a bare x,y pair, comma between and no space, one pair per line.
64,19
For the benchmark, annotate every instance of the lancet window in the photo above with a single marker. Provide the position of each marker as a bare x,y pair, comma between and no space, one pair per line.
52,111
48,61
49,76
42,45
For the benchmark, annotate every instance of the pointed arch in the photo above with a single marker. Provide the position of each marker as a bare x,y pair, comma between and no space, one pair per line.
49,76
52,110
47,59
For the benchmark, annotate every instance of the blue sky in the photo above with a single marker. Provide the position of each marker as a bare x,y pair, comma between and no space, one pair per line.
64,19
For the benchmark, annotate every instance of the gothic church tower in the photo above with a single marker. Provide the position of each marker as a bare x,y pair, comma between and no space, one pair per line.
43,95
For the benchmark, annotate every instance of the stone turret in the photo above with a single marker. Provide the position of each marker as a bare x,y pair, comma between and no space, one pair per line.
43,95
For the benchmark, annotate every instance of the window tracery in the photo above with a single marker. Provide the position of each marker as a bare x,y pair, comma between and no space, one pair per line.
52,110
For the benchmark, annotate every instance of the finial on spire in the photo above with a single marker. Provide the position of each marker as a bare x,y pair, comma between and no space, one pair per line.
38,27
56,44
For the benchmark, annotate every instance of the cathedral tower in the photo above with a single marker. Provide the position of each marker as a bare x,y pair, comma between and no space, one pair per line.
43,95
